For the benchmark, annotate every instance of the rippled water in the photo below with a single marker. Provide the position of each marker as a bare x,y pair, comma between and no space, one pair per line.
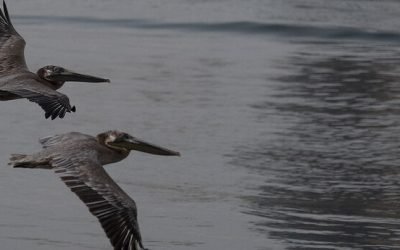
286,114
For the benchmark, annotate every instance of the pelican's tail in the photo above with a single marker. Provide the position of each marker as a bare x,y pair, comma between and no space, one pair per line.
27,161
19,161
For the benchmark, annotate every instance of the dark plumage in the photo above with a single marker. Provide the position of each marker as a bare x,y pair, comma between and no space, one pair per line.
77,159
17,82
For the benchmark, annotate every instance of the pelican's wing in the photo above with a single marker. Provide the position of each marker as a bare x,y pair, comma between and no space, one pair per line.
114,209
51,141
12,45
52,102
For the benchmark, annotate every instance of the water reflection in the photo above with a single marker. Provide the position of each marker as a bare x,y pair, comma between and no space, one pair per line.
332,166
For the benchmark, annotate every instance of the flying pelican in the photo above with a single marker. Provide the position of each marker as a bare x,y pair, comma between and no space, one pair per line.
77,159
16,81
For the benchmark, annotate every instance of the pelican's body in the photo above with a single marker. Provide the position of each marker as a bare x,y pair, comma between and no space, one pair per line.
78,159
16,81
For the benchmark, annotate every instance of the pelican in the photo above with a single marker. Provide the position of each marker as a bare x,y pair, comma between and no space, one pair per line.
77,159
17,82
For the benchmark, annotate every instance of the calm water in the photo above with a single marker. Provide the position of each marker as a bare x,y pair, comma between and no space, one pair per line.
286,113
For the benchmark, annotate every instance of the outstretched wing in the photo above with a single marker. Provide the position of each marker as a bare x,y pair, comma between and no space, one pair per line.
12,45
114,209
54,140
52,102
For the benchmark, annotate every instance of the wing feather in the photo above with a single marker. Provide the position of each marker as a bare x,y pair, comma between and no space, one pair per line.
55,104
12,45
51,141
114,209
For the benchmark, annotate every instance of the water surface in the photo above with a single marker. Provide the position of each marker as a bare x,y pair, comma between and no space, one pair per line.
285,112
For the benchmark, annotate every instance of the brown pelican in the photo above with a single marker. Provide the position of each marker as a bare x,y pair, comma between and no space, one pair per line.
77,159
16,81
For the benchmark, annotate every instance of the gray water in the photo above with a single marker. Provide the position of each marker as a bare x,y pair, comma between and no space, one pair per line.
286,114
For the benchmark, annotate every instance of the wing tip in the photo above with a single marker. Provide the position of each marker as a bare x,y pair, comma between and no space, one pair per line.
6,15
54,114
2,16
57,112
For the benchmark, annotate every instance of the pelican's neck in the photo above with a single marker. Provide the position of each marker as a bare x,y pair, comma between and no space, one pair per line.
110,155
56,85
53,84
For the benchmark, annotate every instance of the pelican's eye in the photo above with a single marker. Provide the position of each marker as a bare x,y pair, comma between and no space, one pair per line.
125,137
58,69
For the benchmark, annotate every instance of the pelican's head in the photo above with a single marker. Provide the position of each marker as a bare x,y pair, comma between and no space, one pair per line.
60,75
124,142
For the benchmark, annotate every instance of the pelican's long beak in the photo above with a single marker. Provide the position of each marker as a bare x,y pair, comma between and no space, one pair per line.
132,143
70,76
